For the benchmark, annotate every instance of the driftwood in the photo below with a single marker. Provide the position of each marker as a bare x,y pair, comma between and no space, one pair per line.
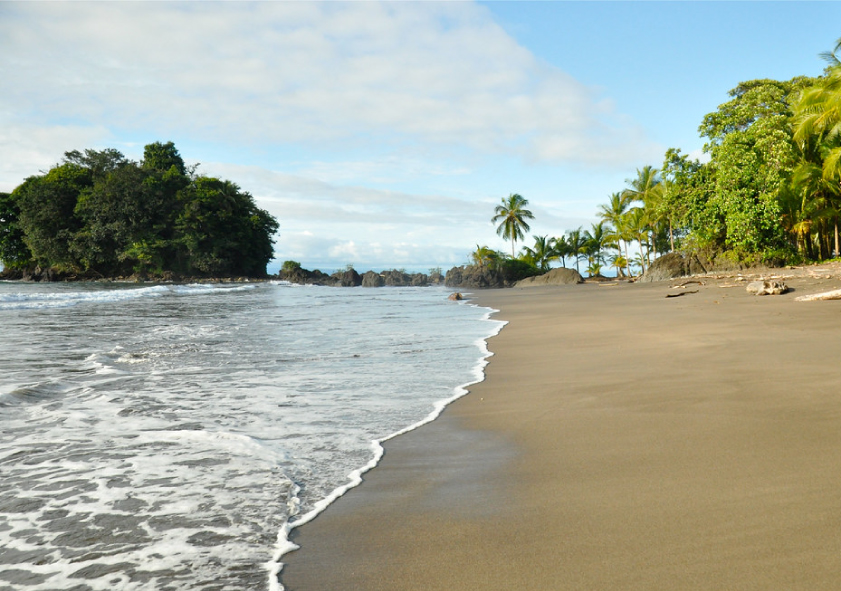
682,293
835,294
767,287
689,282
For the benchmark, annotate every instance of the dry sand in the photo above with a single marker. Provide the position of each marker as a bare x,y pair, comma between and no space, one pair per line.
621,440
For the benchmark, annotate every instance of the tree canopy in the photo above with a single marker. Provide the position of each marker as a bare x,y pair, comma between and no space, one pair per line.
99,213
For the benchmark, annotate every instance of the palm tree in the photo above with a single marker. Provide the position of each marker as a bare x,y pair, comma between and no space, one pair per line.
619,262
612,213
818,134
818,117
832,57
543,252
512,215
576,242
638,226
562,250
596,241
643,189
484,257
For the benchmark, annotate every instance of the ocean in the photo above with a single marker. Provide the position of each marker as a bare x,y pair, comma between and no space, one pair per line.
168,437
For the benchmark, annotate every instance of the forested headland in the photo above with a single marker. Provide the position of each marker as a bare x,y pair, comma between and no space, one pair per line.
98,214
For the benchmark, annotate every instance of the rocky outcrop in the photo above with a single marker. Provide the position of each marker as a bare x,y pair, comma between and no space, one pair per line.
372,279
350,278
561,276
675,264
474,277
668,266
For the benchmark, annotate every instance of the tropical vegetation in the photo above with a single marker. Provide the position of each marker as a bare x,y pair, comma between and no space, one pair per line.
100,214
768,190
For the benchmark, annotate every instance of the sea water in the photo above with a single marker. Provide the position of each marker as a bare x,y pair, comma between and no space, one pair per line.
162,437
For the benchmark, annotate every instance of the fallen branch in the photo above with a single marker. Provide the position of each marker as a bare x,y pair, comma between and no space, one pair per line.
835,294
677,295
689,282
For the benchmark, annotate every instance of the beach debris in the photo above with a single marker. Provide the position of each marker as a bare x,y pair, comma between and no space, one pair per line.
688,282
835,294
455,296
682,293
766,287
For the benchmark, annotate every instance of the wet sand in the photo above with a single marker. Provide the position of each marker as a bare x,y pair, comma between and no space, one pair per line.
622,440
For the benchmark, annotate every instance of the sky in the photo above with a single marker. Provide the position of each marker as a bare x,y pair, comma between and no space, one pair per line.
382,135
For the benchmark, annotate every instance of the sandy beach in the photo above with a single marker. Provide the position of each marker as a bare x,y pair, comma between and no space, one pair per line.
622,440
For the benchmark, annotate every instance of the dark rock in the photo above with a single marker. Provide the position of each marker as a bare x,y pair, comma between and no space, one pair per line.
349,278
395,278
666,267
455,296
474,277
372,279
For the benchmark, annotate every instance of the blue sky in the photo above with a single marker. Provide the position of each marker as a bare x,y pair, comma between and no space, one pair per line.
383,134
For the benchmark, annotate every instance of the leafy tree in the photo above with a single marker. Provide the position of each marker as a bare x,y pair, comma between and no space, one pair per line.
163,157
753,155
99,163
512,215
13,250
46,205
98,212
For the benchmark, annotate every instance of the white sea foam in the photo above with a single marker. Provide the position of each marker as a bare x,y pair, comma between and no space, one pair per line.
164,440
284,545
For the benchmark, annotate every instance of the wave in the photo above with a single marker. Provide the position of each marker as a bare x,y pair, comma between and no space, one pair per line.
28,300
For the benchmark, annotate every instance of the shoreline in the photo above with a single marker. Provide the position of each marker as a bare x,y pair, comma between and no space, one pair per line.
620,440
285,544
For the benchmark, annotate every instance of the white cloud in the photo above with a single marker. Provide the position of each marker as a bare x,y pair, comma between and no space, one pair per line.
354,123
345,75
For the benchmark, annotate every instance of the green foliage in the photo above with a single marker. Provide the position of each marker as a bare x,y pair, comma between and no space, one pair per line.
541,254
163,157
46,214
102,213
753,156
515,269
290,266
486,257
13,250
512,215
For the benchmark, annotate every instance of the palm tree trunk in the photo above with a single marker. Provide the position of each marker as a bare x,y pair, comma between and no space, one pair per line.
671,236
837,251
642,256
